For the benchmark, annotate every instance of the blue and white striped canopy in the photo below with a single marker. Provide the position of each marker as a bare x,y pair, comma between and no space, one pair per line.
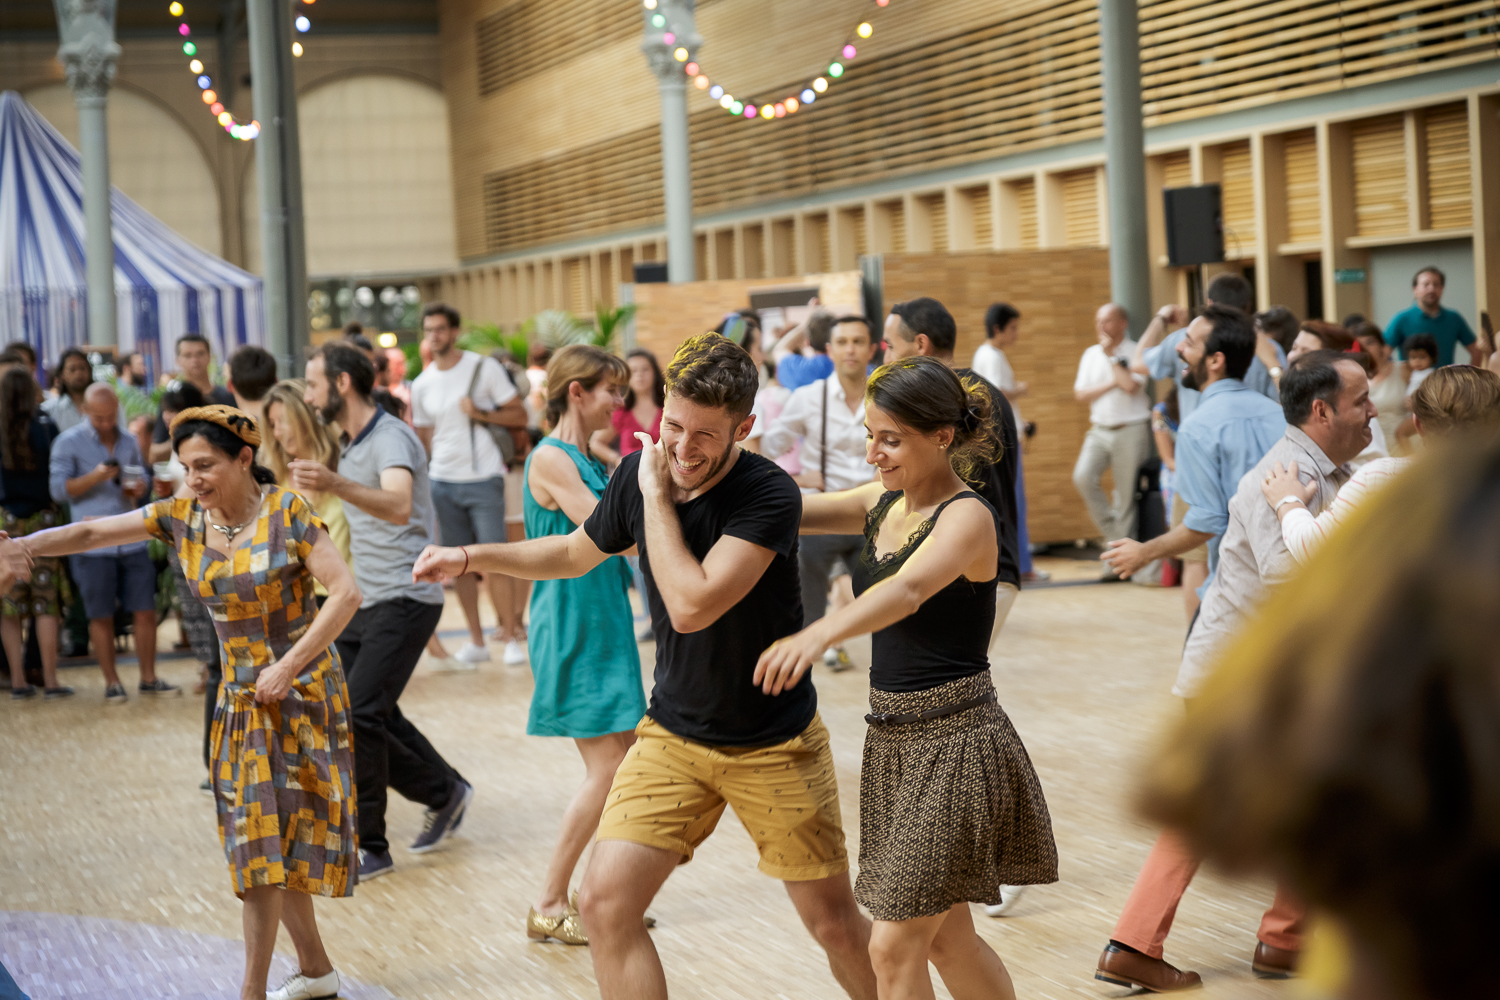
164,286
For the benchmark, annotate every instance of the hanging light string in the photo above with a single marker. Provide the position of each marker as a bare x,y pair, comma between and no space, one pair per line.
244,131
768,109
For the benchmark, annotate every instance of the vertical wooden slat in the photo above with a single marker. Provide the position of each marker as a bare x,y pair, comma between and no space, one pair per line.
1450,202
1237,194
1304,220
1080,204
1379,151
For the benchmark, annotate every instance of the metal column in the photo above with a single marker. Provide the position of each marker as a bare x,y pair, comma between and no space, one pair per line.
676,160
1125,160
278,170
88,52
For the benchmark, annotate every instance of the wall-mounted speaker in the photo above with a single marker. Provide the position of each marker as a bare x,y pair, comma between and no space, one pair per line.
1195,225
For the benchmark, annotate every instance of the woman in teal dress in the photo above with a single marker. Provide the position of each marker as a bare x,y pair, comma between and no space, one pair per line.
582,643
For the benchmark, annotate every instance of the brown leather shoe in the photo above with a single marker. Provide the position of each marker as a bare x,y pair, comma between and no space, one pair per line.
1128,968
1277,962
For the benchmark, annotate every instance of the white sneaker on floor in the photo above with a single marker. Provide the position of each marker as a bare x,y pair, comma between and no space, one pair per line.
1009,894
299,987
449,665
515,653
471,653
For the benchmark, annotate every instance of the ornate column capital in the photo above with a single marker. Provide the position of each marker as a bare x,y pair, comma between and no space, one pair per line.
677,20
88,51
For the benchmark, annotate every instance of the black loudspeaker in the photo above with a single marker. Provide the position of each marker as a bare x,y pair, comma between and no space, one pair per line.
650,273
1195,225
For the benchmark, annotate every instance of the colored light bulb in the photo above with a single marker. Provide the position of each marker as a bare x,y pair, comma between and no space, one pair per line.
691,69
808,96
780,110
881,3
791,105
302,23
669,38
751,111
736,108
835,70
725,101
225,117
189,49
864,30
701,82
195,66
175,9
296,48
216,109
849,53
820,85
184,30
650,4
209,97
680,54
204,83
657,20
716,91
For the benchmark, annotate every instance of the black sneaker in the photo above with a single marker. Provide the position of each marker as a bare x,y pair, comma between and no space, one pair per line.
22,693
374,865
115,694
440,824
159,686
62,691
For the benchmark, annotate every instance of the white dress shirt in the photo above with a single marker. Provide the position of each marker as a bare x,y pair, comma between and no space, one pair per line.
991,364
1116,406
803,417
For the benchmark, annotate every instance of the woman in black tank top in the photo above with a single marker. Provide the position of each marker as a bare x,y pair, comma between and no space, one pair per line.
950,808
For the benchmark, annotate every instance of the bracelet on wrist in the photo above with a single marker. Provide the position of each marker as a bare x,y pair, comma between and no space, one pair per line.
1289,498
466,560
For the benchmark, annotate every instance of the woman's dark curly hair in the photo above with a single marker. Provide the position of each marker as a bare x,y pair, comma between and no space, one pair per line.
926,395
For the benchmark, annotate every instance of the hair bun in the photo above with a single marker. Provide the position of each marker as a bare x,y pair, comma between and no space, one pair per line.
970,419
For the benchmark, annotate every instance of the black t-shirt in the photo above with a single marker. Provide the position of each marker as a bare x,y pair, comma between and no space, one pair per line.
997,482
218,394
703,686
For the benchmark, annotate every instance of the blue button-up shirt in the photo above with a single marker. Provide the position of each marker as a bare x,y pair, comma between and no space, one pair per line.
1230,431
78,451
1164,362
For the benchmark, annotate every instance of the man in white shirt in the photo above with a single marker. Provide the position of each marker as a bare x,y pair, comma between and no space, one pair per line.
1002,328
1119,438
829,416
452,401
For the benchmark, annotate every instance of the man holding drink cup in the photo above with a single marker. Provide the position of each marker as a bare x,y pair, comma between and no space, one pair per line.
100,472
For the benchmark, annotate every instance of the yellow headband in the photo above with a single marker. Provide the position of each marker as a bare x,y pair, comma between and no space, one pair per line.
237,422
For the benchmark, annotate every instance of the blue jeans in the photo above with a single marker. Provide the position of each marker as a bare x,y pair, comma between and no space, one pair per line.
470,513
128,578
1023,537
8,988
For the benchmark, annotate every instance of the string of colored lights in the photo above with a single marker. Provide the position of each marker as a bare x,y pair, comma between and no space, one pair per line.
767,110
244,131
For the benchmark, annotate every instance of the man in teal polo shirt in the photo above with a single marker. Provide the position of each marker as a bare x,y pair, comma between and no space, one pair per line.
1428,316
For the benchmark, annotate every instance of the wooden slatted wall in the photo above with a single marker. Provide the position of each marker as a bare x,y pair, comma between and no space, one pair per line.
1303,209
984,223
1025,193
1237,198
1380,204
1080,189
1177,169
1449,199
1027,77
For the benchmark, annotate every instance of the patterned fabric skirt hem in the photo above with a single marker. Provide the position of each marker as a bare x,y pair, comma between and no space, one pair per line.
283,783
950,809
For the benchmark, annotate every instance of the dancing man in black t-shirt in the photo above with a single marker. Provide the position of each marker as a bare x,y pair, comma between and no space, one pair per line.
716,530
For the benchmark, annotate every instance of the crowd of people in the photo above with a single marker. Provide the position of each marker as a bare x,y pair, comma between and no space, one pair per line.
769,495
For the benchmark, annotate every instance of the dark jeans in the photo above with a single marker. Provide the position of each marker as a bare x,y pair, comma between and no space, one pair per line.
816,556
379,650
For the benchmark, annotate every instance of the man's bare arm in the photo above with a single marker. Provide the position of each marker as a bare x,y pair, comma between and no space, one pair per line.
552,557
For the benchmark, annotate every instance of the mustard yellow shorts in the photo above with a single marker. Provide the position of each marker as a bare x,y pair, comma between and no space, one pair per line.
1198,553
670,792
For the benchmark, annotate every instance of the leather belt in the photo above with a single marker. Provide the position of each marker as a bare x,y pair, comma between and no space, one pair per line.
906,718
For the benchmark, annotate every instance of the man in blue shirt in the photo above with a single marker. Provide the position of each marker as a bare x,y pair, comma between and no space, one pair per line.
100,472
1427,315
1230,431
802,355
1157,357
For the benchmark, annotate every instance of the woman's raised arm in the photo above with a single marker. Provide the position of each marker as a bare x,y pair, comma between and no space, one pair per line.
81,536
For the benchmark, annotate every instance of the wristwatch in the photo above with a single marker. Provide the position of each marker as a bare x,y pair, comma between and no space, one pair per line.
1275,371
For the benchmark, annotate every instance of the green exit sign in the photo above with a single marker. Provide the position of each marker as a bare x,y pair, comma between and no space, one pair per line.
1350,276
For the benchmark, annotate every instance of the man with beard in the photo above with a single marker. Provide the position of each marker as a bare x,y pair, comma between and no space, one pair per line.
716,529
1232,427
74,375
382,480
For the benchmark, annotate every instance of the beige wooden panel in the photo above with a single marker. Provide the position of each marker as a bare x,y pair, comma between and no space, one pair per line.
1380,203
1304,220
1024,192
1237,194
816,251
1450,203
516,41
1177,169
934,208
1057,292
1080,191
981,207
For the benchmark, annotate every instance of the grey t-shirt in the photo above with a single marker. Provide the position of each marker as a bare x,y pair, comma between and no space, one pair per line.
384,553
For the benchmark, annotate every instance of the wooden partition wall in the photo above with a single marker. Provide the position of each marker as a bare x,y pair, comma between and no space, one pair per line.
1057,292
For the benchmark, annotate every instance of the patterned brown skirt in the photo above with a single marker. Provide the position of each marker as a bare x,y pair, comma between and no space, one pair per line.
950,809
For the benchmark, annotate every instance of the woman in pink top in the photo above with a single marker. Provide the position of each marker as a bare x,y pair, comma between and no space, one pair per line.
644,398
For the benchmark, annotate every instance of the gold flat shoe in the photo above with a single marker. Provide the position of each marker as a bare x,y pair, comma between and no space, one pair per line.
648,920
567,928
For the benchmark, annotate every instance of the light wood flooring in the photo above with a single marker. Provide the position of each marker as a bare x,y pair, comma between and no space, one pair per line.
100,816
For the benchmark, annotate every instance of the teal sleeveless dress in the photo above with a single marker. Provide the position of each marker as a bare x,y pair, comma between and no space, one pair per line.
582,640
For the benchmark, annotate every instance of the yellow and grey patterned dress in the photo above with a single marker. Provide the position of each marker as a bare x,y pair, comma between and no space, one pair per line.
283,772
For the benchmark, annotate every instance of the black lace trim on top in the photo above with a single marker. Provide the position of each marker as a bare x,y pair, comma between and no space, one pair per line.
877,566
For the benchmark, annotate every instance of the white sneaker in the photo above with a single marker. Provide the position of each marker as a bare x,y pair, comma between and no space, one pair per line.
299,987
515,654
471,653
450,665
1009,894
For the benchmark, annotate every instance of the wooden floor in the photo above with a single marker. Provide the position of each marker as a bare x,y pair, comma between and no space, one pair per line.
101,817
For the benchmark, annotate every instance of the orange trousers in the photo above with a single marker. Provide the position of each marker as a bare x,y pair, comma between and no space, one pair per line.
1169,869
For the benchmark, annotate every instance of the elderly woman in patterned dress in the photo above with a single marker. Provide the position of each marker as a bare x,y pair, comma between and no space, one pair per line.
282,771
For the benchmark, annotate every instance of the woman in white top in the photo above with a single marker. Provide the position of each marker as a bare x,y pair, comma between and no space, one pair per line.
1388,384
1458,399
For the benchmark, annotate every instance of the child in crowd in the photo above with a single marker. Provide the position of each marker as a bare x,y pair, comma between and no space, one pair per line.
1421,357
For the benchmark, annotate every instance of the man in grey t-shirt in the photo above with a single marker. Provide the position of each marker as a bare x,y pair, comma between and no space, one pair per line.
382,480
